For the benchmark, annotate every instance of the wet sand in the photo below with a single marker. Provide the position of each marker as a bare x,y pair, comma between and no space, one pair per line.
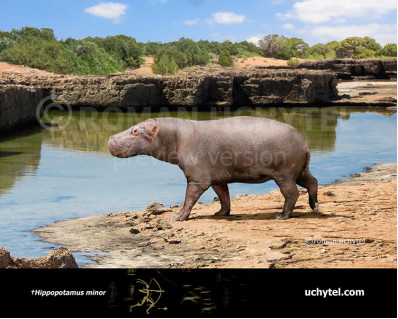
355,228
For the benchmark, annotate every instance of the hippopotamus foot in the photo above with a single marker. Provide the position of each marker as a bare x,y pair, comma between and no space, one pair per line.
194,191
222,192
222,212
313,203
311,184
290,192
282,216
178,218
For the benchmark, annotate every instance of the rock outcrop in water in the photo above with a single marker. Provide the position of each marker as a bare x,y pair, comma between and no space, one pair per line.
59,258
348,69
18,104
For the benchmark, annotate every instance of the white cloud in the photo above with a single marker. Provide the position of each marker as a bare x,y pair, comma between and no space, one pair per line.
191,22
383,33
228,17
315,11
218,17
288,26
254,39
222,37
108,10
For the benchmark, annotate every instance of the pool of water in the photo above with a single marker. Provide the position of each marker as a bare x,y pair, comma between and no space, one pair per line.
66,172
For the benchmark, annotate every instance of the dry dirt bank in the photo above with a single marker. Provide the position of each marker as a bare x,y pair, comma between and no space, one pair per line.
361,211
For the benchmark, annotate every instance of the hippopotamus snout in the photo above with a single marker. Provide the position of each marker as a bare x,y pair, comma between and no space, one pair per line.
114,148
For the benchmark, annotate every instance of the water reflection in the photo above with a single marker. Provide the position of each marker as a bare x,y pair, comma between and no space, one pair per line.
19,156
89,131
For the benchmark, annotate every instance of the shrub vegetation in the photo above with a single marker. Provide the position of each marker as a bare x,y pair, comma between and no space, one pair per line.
40,49
225,58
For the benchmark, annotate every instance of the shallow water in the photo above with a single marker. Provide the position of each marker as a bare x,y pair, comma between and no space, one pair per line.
66,172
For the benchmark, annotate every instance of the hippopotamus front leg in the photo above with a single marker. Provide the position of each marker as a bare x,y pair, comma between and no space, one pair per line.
194,191
290,192
222,192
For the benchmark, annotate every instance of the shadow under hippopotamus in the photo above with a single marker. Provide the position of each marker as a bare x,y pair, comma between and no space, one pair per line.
268,215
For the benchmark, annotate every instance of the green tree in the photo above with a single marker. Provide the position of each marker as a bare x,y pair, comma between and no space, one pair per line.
317,50
230,47
165,61
357,47
371,44
320,51
225,58
195,54
39,53
5,40
92,59
249,47
281,47
270,44
121,47
299,46
363,53
25,32
390,49
151,48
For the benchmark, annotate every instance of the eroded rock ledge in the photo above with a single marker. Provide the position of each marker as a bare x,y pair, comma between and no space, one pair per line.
191,87
349,69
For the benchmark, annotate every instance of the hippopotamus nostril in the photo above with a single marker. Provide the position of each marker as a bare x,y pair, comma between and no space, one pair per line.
112,146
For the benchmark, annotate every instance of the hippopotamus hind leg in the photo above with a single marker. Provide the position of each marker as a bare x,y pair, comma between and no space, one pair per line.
309,182
222,192
290,192
194,191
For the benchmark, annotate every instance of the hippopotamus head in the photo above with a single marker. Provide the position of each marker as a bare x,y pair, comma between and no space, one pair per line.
139,139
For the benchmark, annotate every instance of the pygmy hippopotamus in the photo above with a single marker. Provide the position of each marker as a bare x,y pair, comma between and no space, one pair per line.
215,153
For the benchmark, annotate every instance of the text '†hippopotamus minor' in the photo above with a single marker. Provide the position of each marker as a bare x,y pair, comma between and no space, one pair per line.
215,153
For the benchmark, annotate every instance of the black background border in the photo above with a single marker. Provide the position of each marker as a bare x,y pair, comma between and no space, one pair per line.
199,293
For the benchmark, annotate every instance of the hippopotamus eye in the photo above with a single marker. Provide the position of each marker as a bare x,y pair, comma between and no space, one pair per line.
134,131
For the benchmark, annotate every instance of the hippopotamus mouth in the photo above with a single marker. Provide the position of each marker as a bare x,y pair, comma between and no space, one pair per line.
125,154
115,149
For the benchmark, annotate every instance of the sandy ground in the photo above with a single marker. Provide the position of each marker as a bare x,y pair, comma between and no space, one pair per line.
6,68
355,228
146,68
259,61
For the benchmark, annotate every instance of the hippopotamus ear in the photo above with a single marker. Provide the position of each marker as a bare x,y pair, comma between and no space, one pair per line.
154,130
151,127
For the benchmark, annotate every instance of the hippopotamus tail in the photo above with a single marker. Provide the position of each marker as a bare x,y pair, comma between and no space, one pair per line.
307,159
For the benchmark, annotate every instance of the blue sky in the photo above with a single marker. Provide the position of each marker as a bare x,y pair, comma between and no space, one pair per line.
167,20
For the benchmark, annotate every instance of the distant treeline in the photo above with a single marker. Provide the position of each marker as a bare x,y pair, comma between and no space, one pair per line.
38,48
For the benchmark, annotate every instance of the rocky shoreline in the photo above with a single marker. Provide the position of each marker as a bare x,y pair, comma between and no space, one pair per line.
356,228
